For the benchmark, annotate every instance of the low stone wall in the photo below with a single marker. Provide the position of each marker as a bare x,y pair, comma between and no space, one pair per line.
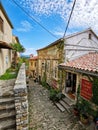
21,100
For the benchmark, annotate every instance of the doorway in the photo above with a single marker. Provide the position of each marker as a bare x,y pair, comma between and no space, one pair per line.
70,85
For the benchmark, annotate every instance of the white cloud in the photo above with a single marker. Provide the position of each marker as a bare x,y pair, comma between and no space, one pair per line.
30,51
85,12
59,33
25,26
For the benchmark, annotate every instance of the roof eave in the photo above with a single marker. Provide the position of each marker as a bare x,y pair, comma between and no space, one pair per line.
92,73
4,45
5,14
52,44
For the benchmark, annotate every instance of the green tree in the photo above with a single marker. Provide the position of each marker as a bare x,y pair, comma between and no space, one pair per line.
17,47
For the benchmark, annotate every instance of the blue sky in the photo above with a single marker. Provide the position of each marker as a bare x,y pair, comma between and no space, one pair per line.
52,14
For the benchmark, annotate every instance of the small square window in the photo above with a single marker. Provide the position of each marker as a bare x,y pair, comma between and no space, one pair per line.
89,36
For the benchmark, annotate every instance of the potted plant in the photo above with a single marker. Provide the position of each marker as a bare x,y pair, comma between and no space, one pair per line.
84,118
84,109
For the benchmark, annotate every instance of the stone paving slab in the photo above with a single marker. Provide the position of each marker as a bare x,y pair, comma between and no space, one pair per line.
44,115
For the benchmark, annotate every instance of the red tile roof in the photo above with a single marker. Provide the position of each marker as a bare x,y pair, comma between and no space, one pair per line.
34,58
87,62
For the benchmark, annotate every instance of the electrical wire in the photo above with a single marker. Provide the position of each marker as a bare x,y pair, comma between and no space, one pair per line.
34,19
69,18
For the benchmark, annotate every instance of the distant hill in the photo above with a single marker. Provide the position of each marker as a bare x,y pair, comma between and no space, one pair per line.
25,56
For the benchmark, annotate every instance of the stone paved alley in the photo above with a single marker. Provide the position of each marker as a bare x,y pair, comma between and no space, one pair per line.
44,115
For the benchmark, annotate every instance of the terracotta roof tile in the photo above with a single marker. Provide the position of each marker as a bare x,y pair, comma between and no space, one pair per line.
87,62
34,58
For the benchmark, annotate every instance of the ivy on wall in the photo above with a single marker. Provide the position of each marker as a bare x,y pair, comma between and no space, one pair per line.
95,90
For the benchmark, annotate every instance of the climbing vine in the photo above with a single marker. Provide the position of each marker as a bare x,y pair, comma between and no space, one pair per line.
95,90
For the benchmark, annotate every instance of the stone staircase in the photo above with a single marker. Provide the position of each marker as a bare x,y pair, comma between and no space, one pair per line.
7,106
64,105
72,122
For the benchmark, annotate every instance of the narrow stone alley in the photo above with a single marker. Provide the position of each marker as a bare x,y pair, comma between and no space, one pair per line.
44,115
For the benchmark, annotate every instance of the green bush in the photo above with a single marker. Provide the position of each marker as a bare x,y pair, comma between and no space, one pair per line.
9,74
95,91
56,95
53,94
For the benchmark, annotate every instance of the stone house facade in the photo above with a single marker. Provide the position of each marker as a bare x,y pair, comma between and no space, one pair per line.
80,72
76,45
49,58
80,43
5,39
33,66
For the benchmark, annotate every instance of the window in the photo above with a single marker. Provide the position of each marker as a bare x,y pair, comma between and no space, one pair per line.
31,63
1,24
89,36
35,64
43,65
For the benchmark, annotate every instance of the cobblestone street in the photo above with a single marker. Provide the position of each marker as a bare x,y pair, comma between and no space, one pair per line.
44,115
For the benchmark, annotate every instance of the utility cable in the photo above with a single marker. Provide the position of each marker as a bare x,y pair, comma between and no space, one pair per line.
34,19
69,18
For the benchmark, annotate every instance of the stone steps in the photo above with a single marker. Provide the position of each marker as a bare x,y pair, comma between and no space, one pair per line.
7,124
68,101
6,106
4,100
59,106
64,104
7,114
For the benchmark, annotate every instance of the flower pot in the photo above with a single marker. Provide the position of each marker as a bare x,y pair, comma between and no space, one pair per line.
84,119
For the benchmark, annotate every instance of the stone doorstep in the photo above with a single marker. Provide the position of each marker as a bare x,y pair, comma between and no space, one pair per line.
68,101
7,124
59,106
65,105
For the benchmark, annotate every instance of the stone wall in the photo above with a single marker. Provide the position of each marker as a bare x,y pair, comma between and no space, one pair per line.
21,100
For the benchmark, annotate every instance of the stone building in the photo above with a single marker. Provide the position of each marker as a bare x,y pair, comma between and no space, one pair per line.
76,45
80,43
80,71
33,66
81,82
49,58
5,39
